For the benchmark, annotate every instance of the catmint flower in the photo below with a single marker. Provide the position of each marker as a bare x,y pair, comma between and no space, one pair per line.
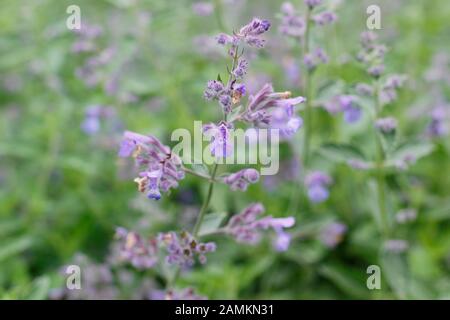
186,294
406,215
241,68
282,240
368,39
376,71
358,164
386,125
203,8
213,89
317,183
184,248
284,119
140,252
273,109
241,179
364,89
313,3
324,18
332,234
245,227
249,34
161,169
291,25
352,113
221,145
438,126
313,59
93,115
226,102
396,245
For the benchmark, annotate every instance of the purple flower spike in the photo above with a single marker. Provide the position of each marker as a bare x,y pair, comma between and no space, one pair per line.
386,125
161,169
317,183
246,228
140,252
184,248
332,234
221,144
241,179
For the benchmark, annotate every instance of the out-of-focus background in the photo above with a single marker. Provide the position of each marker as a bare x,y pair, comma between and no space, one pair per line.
64,104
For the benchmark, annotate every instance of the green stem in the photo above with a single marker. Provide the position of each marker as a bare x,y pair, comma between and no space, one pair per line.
218,13
205,205
308,92
381,186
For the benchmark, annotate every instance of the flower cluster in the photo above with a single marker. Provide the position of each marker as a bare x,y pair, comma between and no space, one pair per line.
438,125
347,104
249,34
93,116
292,25
183,248
317,182
386,125
241,179
245,227
141,253
372,54
332,234
161,169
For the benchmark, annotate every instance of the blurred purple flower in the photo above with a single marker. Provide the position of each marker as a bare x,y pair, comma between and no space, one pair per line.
332,234
184,248
241,179
161,169
317,183
141,253
245,227
203,8
221,145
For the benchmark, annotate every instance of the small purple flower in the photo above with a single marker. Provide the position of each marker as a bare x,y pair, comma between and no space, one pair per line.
332,234
249,34
141,253
396,245
213,90
386,125
313,59
324,18
364,89
221,144
184,248
291,25
376,71
241,68
352,113
186,294
161,169
203,8
245,227
282,241
406,215
438,126
317,183
274,109
313,3
241,179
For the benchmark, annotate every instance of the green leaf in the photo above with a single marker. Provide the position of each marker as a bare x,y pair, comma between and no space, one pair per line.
341,152
211,223
15,247
39,289
346,280
416,149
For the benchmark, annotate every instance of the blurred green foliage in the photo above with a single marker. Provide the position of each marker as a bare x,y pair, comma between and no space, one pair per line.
63,191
